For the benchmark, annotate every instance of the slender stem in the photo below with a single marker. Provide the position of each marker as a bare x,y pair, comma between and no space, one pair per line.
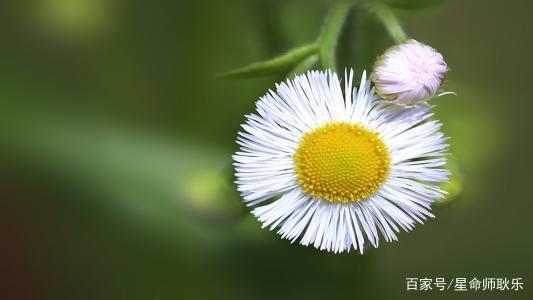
331,30
389,20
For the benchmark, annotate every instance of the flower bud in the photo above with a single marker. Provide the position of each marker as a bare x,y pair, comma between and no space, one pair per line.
409,73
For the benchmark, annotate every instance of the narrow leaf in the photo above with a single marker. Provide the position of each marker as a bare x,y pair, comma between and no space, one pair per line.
274,65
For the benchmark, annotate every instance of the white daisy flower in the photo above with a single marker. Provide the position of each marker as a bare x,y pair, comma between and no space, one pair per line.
336,170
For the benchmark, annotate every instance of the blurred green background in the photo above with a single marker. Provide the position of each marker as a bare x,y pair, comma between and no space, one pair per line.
116,141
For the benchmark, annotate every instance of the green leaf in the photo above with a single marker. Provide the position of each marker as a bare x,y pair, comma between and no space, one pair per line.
274,65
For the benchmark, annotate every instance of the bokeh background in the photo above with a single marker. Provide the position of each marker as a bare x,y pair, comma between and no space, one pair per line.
116,137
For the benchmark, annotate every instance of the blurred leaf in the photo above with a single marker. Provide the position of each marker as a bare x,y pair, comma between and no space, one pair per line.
454,186
73,18
151,177
277,64
206,192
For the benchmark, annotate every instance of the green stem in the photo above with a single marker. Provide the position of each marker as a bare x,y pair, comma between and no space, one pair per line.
330,33
389,20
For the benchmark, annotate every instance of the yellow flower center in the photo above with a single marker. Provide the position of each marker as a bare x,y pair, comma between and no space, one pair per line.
342,162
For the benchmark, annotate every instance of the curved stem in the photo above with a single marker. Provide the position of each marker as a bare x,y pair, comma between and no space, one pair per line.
329,35
389,20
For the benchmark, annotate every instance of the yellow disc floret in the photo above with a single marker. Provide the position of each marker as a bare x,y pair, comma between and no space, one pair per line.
342,162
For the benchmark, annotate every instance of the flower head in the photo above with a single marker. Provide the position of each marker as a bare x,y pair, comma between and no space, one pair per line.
409,73
336,169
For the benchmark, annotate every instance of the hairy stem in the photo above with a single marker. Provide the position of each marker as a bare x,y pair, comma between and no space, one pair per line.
389,20
330,33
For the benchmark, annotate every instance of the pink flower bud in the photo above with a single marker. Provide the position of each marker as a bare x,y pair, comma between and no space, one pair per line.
409,73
